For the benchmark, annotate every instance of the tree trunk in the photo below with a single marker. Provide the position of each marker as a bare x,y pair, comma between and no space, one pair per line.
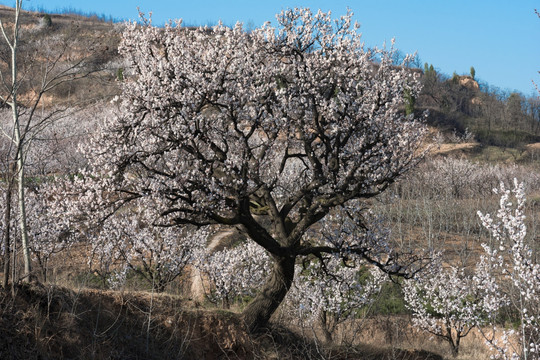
323,319
455,350
257,314
454,344
22,220
18,139
7,227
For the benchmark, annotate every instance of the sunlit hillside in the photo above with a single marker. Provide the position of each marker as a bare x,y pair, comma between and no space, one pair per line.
108,276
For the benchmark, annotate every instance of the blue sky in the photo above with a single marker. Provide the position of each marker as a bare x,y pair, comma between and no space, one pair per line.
500,38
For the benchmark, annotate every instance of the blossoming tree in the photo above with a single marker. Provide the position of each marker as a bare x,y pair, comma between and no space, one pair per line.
127,242
217,126
521,272
449,303
234,272
332,292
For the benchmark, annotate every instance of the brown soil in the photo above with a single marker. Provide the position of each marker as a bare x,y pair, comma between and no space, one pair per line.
534,146
444,149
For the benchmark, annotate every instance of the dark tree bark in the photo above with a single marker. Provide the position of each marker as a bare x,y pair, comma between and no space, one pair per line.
325,328
257,314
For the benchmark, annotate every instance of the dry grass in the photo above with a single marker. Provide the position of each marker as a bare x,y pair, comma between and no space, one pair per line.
393,336
55,323
397,332
445,149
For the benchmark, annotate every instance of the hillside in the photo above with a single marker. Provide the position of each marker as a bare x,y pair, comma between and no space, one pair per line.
82,51
459,107
463,110
124,289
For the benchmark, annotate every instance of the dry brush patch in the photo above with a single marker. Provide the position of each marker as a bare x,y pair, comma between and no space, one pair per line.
61,323
56,323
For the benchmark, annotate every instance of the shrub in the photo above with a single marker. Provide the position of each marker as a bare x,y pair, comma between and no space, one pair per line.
45,21
120,74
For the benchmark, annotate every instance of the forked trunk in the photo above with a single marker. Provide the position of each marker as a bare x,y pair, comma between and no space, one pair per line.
257,314
325,327
454,344
455,350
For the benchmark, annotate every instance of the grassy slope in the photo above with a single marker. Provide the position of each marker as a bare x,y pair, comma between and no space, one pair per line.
58,323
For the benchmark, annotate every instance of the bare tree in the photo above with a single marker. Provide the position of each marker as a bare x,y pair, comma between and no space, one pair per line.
38,64
16,137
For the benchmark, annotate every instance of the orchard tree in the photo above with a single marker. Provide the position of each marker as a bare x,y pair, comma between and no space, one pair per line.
330,292
127,242
234,272
331,288
520,271
449,303
48,229
270,131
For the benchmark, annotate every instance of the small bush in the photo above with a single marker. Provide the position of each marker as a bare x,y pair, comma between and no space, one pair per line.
390,301
90,280
45,21
120,74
